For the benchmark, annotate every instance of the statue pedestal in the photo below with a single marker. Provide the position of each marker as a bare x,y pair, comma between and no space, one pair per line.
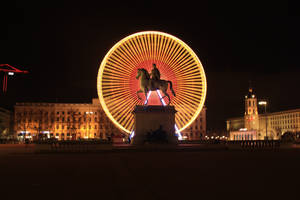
152,118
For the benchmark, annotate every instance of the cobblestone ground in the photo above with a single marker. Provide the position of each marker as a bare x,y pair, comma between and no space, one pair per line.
151,175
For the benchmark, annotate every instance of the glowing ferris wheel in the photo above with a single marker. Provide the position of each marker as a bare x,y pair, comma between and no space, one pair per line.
117,85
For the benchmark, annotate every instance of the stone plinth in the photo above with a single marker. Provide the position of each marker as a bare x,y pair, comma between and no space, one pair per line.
151,118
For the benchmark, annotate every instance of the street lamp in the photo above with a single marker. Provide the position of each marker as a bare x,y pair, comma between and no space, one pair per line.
264,103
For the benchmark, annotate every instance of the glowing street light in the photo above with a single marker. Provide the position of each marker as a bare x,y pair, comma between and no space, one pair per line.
262,103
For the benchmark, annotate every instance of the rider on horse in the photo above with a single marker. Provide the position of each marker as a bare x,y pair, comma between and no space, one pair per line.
155,75
147,84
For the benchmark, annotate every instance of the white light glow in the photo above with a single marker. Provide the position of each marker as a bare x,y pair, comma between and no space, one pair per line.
262,103
10,73
146,102
24,132
131,135
161,99
46,132
164,103
178,132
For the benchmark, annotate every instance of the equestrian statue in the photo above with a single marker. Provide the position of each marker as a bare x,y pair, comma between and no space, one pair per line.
154,83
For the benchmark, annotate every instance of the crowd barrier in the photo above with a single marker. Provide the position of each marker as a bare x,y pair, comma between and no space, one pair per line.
255,144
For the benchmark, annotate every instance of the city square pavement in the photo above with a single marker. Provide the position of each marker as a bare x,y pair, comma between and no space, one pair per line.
143,175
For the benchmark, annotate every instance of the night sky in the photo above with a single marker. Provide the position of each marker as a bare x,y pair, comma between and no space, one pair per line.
63,44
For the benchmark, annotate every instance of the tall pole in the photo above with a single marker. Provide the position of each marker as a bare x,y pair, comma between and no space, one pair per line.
264,103
266,122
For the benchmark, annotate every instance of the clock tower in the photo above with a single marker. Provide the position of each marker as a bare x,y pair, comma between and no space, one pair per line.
251,113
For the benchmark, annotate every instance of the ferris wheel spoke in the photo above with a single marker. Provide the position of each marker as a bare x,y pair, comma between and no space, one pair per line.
143,46
180,57
187,106
118,56
188,103
139,51
173,54
124,112
166,49
133,52
124,54
119,68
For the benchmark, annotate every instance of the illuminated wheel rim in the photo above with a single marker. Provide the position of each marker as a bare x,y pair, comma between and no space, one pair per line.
117,86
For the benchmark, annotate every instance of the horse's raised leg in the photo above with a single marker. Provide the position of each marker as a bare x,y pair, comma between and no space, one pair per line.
146,92
166,95
137,93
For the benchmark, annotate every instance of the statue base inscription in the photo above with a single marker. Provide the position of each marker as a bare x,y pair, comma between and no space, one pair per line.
154,125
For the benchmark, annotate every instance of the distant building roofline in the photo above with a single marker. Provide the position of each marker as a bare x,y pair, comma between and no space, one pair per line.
270,113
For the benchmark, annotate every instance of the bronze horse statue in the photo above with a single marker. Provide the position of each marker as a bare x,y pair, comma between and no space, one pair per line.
147,84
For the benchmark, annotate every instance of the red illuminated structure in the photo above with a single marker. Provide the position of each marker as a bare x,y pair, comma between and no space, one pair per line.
9,70
117,84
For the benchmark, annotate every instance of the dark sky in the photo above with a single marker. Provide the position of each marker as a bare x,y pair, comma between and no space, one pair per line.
62,45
